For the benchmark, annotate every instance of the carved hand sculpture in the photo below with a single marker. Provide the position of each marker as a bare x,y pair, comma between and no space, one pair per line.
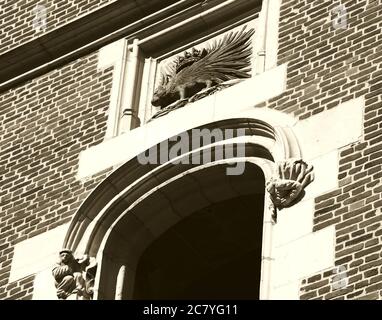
288,185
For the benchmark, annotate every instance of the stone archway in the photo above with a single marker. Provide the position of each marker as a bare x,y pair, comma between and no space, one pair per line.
98,222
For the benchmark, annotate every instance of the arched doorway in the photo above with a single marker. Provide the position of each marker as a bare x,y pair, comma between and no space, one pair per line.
126,216
213,253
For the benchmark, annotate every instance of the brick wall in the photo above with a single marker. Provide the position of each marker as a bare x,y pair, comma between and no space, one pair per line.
17,16
48,121
45,123
328,67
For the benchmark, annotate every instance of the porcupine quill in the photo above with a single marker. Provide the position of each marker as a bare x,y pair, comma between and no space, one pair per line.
226,59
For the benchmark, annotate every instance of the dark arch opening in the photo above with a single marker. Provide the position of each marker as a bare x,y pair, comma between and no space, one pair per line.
214,252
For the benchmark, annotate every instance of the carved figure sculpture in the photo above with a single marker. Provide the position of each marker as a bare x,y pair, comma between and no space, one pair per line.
287,187
223,61
73,276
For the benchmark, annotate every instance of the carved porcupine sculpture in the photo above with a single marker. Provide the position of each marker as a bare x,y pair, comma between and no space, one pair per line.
226,59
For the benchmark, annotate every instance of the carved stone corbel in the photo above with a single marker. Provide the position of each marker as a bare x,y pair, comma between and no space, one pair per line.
74,276
287,186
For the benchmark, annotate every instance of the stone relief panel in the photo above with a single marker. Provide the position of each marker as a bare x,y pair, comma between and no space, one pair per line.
203,70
